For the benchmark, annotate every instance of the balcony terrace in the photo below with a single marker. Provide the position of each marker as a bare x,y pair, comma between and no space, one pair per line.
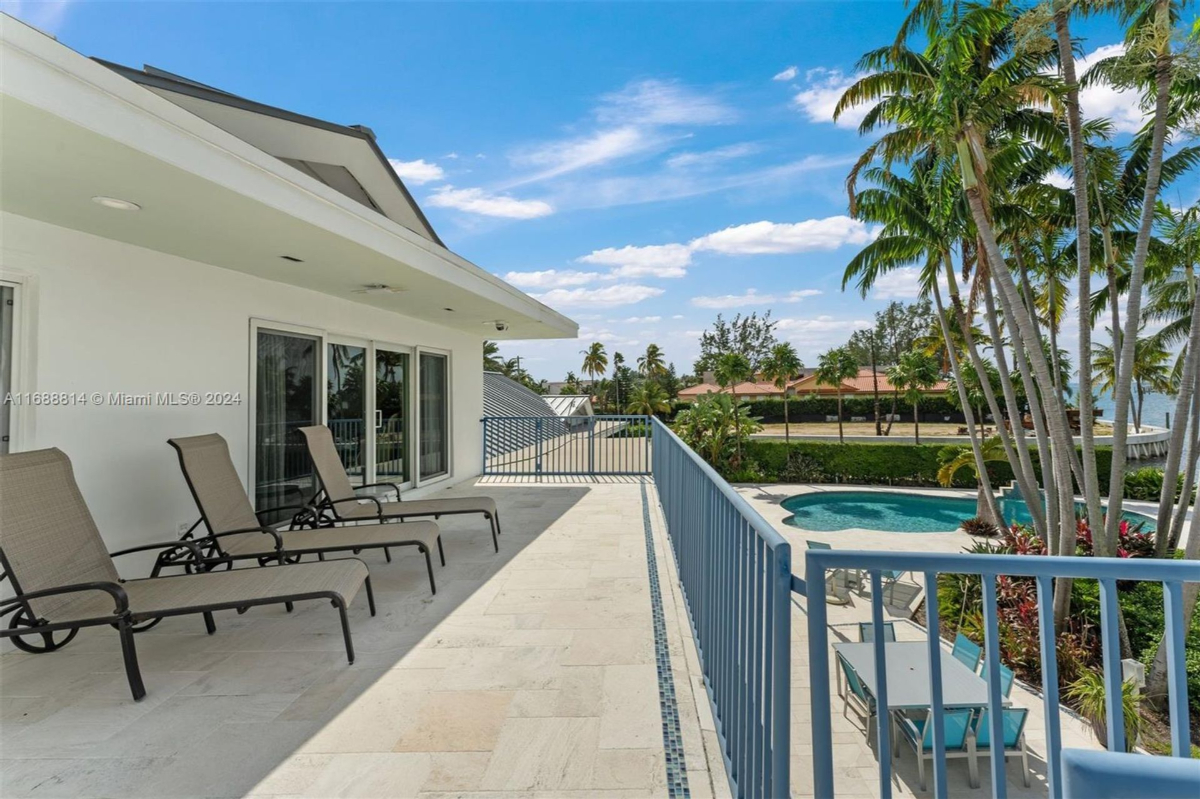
621,644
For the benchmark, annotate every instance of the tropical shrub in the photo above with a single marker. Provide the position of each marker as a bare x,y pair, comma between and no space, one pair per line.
716,429
1146,484
980,527
881,463
1087,694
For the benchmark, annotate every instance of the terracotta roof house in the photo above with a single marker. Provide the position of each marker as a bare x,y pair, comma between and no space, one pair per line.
863,382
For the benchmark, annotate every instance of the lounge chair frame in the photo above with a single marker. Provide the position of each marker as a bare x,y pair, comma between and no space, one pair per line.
26,623
306,516
327,508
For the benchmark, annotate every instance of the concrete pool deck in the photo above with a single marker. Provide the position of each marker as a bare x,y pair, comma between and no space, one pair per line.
856,769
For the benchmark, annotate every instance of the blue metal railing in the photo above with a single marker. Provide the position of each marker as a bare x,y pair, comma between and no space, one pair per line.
1171,573
735,571
575,446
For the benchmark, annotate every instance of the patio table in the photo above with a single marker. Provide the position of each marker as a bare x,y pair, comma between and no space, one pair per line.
908,676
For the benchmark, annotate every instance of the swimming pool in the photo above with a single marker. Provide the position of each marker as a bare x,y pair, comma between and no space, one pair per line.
893,512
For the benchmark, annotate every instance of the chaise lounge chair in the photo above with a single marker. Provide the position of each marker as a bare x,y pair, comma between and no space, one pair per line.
64,578
235,532
340,503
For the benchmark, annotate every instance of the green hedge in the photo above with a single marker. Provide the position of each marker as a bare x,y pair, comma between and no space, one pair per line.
882,464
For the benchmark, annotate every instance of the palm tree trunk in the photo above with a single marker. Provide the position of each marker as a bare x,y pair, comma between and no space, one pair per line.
1162,77
985,482
1083,248
892,415
737,423
1022,464
787,426
1183,402
1189,475
841,438
916,424
875,386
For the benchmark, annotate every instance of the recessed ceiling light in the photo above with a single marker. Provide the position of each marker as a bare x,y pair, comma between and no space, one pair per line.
378,288
292,258
116,204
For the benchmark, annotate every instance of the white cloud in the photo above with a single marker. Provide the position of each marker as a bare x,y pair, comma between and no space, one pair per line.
751,297
788,74
903,283
824,87
1059,179
642,320
677,316
417,172
555,158
656,260
709,158
478,201
1122,106
45,15
609,296
659,102
761,238
551,279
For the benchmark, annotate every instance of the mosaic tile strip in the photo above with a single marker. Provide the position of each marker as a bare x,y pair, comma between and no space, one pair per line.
677,781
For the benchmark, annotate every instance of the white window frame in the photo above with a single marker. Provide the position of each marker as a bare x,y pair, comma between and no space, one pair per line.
22,379
252,393
410,391
326,337
446,475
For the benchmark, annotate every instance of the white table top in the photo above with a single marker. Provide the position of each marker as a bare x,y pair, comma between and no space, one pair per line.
908,675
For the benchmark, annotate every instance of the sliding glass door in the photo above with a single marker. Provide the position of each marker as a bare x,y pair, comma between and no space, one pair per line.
391,415
434,379
347,382
287,397
387,406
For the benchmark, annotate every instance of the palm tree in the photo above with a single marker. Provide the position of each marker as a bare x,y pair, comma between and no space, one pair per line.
648,399
1151,372
780,367
730,369
571,383
993,451
915,374
595,362
491,357
652,364
833,367
618,371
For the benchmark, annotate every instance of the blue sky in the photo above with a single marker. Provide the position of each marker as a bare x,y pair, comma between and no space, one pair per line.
640,167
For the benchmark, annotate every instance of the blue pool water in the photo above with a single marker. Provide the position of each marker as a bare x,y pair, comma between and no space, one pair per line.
830,511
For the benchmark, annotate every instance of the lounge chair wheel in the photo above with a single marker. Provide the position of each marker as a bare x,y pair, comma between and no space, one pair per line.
51,641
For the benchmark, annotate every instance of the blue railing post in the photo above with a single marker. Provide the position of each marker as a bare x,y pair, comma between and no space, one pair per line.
1114,679
1173,640
537,468
1049,651
818,670
934,641
484,468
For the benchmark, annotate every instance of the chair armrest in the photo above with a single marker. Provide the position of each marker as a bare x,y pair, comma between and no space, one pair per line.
113,589
392,486
243,531
166,546
333,503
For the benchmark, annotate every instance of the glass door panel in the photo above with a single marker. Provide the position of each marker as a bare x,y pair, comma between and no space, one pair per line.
286,399
346,406
391,416
435,415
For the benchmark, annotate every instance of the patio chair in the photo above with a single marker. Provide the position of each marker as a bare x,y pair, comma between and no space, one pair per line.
832,575
64,578
339,502
1014,737
966,651
236,533
918,732
1006,679
866,631
857,698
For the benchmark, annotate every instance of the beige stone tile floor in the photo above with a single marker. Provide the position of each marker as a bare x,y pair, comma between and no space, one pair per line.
530,674
856,768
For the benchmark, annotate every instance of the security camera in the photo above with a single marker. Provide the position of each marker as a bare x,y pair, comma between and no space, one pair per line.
501,325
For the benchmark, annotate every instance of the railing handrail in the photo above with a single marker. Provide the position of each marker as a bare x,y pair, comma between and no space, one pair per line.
637,416
769,534
1075,567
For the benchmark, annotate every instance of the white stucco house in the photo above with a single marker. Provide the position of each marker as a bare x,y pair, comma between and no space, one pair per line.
177,260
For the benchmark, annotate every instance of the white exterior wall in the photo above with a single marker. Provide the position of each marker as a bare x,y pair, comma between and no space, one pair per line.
103,316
